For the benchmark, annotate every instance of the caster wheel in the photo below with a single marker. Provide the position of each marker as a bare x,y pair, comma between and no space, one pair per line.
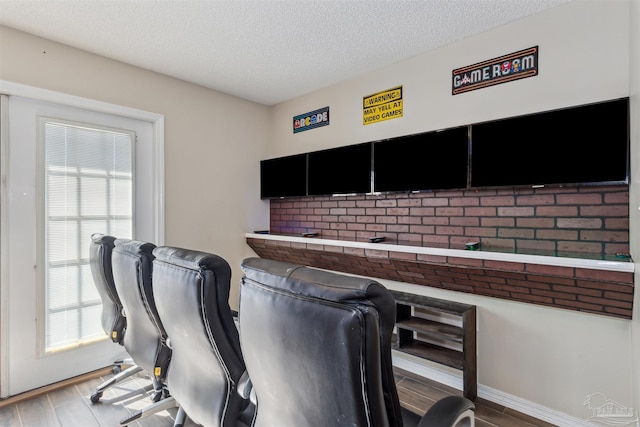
116,369
95,397
155,397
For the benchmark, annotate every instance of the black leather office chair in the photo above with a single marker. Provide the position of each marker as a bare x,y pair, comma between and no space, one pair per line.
113,321
317,346
191,290
112,318
145,337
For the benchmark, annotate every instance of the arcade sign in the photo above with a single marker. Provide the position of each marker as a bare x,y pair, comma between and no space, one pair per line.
311,120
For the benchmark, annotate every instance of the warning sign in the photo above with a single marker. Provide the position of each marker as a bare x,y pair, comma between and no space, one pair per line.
382,106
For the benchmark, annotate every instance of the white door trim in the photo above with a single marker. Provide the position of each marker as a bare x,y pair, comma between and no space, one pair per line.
39,94
4,274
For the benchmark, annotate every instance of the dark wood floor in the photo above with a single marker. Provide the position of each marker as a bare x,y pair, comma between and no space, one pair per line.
69,406
418,394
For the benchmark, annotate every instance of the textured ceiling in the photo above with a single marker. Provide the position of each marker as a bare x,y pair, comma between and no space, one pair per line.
265,51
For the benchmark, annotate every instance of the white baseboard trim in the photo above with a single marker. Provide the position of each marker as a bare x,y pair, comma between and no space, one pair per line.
412,364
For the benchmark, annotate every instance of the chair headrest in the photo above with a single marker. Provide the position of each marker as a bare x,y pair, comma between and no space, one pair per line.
326,285
133,247
102,239
193,260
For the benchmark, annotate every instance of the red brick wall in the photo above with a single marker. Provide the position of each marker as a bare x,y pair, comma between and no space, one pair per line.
593,220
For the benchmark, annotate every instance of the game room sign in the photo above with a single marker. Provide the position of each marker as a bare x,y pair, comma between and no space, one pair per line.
506,68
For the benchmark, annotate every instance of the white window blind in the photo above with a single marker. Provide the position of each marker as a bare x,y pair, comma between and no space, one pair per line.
88,188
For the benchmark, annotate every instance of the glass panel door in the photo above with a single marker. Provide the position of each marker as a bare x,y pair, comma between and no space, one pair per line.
88,188
70,173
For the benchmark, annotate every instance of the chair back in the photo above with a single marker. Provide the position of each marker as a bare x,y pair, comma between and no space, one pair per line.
191,289
112,319
317,347
145,338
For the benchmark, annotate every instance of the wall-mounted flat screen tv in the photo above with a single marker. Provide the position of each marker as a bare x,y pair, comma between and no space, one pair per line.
342,170
283,177
587,144
426,161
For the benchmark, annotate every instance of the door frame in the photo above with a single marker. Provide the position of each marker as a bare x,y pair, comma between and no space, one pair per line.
44,95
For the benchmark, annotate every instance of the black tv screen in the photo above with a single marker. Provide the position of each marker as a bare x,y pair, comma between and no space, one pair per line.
581,145
426,161
342,170
283,177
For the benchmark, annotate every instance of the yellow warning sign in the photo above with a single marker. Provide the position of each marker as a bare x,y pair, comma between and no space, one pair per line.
382,106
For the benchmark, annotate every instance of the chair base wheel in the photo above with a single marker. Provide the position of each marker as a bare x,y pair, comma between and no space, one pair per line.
95,397
116,369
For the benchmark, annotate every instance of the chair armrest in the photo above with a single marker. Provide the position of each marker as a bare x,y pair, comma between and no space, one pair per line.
236,321
245,388
450,411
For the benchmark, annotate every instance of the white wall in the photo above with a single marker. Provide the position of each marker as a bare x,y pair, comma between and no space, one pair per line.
211,157
549,357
